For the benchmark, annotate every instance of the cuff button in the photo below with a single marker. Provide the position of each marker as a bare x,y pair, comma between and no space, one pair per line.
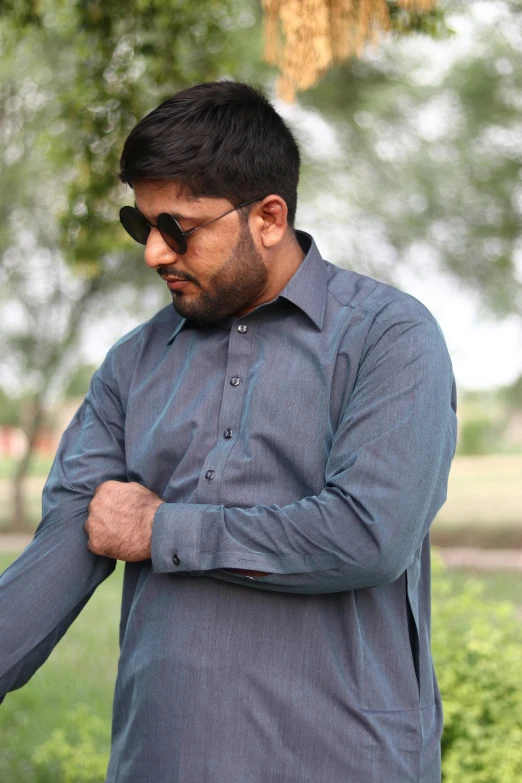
175,559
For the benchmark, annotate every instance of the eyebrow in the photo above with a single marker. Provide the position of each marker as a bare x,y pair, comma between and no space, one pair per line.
176,215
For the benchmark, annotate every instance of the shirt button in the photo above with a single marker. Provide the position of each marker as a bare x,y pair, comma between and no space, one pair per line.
235,381
228,433
210,474
242,328
175,559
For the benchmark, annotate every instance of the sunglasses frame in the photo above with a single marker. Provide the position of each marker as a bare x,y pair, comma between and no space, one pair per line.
169,221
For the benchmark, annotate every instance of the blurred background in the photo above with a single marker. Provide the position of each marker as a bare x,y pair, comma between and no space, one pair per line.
412,173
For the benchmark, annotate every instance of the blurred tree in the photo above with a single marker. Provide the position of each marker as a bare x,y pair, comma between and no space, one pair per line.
74,78
420,165
115,61
79,382
9,410
512,395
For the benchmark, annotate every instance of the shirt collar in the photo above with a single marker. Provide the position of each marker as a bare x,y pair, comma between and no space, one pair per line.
306,288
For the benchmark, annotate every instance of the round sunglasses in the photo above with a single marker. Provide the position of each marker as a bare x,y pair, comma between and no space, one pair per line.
139,228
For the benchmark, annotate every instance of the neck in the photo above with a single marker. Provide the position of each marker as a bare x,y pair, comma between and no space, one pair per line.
283,263
287,259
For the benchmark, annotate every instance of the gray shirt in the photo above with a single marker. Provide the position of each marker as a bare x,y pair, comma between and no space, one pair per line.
312,439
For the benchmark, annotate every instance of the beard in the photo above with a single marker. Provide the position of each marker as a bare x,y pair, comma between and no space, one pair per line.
234,286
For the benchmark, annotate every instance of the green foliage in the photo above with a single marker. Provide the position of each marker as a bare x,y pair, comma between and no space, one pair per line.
477,435
114,61
9,410
428,168
79,383
483,418
77,754
431,23
477,651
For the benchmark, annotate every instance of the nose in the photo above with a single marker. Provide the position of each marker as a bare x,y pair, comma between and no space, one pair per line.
157,252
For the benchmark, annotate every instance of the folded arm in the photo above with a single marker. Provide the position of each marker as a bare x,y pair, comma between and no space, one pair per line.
385,479
45,589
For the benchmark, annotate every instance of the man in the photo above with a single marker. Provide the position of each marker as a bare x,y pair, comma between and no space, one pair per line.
267,456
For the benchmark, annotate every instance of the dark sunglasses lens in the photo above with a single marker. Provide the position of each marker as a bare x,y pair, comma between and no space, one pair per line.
135,224
171,232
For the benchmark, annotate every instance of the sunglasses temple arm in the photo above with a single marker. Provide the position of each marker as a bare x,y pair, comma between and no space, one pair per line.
193,230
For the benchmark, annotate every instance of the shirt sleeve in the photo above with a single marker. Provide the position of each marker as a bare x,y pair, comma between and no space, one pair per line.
45,589
385,480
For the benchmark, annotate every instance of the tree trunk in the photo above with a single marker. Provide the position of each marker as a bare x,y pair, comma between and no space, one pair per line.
19,519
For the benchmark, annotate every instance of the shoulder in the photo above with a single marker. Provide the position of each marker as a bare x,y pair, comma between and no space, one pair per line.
383,302
390,316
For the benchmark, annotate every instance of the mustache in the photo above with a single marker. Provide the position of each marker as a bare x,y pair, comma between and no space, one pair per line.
172,271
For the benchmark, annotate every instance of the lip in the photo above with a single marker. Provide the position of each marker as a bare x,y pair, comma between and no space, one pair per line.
175,284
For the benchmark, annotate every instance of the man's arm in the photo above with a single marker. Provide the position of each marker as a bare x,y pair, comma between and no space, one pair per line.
45,589
386,478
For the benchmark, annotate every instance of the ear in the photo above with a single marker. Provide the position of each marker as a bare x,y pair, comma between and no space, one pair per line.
269,220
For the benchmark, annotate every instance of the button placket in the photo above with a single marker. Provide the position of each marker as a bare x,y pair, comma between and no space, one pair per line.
238,363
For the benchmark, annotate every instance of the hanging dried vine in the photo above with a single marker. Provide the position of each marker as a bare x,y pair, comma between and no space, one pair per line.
305,37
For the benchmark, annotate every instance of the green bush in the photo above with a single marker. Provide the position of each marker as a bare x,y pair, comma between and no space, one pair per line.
478,435
477,651
77,753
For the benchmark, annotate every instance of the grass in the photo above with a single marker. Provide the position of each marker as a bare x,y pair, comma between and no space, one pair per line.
82,670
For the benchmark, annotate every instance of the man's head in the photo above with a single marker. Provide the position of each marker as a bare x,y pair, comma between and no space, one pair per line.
199,155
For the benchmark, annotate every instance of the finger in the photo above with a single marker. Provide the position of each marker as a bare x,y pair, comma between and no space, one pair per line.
94,549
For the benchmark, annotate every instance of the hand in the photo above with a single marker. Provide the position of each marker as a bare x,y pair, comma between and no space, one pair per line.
120,519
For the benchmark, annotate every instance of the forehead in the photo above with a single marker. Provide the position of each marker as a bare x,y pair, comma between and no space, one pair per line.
155,196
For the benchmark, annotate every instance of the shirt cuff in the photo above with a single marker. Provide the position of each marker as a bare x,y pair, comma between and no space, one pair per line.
176,537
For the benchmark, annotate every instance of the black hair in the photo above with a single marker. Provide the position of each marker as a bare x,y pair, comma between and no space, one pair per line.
220,139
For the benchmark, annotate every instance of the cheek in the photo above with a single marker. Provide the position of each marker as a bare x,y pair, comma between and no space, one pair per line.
199,263
207,257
